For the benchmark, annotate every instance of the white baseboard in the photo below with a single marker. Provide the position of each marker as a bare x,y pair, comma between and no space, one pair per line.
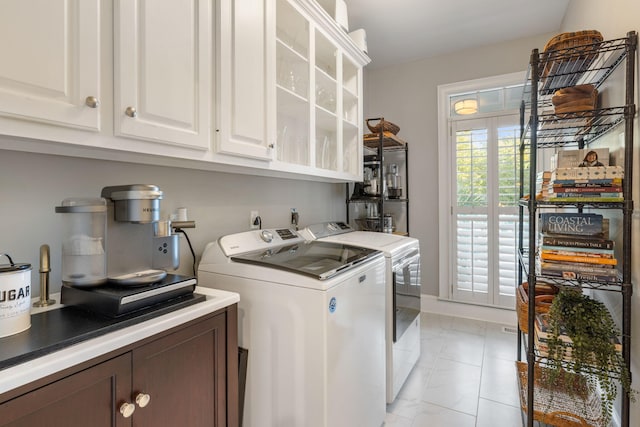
433,304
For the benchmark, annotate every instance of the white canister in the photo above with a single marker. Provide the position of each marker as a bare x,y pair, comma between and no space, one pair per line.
15,297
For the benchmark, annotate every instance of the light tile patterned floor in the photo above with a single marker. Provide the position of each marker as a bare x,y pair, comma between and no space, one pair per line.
465,377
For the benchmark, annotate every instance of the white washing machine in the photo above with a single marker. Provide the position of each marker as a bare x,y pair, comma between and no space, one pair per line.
309,315
402,256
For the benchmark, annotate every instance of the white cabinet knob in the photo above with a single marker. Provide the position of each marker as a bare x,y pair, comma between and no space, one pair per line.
92,102
143,399
131,112
127,409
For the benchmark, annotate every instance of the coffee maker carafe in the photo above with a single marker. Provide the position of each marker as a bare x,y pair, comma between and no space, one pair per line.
394,182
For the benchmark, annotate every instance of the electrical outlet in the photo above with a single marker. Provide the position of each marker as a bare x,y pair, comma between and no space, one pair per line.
254,222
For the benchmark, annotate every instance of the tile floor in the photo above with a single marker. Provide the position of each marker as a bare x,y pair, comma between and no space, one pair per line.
465,377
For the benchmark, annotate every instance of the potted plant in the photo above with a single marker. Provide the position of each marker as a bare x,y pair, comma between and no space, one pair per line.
592,349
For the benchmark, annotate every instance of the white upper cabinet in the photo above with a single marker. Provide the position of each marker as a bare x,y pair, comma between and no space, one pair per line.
318,93
272,87
162,72
289,88
50,66
245,70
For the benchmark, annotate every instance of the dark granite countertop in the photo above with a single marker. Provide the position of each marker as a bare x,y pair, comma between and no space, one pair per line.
56,329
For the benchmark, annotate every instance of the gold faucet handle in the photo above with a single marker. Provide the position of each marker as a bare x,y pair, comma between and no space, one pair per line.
45,268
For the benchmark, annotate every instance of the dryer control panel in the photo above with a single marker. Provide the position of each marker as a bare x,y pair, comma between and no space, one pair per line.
325,229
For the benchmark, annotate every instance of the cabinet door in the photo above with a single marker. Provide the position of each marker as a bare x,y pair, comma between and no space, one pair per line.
318,94
338,108
89,398
163,70
293,65
245,70
351,117
50,64
327,96
184,374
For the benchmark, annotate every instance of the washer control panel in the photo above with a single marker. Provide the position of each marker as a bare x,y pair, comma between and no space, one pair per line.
255,240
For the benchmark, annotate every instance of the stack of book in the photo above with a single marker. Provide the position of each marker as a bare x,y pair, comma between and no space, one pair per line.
584,175
542,335
543,179
576,246
586,184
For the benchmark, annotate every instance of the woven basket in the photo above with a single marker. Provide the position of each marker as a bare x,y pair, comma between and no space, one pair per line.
567,55
383,125
570,402
545,293
574,99
582,41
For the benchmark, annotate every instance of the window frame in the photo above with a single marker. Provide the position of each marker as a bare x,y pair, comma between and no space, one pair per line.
445,201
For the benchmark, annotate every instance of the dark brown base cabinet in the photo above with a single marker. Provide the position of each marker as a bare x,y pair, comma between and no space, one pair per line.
189,375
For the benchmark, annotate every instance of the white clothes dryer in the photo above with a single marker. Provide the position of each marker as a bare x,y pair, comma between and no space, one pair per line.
402,275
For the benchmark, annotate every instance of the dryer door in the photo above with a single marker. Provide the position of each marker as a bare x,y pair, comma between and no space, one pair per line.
406,293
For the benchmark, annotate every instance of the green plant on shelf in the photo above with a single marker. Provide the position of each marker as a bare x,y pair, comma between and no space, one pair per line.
584,339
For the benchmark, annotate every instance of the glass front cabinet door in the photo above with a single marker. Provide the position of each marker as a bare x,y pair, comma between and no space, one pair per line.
318,93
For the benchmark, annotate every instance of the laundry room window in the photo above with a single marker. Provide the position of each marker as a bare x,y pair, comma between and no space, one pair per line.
492,100
480,155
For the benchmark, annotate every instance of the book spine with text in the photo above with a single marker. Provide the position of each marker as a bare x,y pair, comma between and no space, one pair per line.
576,275
583,195
569,252
608,270
599,199
600,172
583,259
605,182
577,242
587,190
575,223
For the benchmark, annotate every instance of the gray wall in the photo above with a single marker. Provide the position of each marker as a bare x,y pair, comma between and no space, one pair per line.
31,185
406,94
614,19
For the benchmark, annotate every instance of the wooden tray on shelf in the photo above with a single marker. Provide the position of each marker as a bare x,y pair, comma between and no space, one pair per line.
371,140
559,407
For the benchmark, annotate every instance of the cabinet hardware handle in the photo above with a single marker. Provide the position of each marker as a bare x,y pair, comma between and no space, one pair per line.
127,409
272,146
143,399
92,102
131,112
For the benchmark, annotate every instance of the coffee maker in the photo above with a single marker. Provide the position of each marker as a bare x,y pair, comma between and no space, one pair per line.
116,253
117,238
140,247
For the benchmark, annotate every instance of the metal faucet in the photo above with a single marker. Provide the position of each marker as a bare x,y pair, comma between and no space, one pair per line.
44,278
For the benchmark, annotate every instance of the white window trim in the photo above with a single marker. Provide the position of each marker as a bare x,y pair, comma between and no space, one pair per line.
444,161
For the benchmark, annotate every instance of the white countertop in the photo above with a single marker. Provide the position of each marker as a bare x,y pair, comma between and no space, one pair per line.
24,373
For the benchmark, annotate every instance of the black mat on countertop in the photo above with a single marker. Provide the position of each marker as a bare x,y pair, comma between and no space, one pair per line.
56,329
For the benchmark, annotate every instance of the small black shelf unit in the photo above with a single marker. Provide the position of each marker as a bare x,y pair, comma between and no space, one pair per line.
540,128
378,149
